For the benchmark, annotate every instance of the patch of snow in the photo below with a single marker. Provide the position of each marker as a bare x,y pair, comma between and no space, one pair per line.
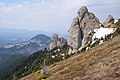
70,51
53,56
101,41
93,42
87,48
63,54
90,32
56,55
80,49
9,46
101,32
25,67
111,36
58,50
73,51
55,51
116,20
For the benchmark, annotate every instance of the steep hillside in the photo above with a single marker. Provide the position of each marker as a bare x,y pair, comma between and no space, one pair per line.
100,63
13,54
35,61
7,61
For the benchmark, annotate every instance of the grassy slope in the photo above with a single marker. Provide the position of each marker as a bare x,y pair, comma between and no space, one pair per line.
100,63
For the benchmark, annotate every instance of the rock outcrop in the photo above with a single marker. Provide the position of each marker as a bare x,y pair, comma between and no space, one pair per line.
56,41
80,32
110,22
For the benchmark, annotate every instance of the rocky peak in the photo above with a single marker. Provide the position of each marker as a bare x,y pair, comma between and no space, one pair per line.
54,37
82,25
109,22
109,19
41,38
82,11
56,41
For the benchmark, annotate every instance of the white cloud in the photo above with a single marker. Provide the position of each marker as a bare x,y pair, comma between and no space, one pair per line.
50,15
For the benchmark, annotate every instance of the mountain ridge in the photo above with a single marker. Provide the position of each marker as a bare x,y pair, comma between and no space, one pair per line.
27,47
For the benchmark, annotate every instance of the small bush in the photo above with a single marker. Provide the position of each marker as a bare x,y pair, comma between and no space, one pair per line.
38,72
117,32
43,77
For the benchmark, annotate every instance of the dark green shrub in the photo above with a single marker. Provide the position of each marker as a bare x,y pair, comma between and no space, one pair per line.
117,32
83,49
43,77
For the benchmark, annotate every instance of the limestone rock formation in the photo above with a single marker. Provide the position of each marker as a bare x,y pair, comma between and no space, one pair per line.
74,35
82,11
56,41
109,22
80,32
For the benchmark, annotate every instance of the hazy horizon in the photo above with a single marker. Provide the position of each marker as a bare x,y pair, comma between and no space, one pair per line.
14,36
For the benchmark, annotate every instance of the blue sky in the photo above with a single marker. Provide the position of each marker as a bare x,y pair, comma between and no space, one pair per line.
51,15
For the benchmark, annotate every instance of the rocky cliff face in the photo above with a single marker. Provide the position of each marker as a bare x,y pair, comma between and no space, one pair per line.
80,32
56,41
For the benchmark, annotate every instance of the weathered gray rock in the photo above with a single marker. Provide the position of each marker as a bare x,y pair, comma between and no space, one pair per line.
109,22
74,35
109,19
56,41
61,42
80,32
88,24
82,11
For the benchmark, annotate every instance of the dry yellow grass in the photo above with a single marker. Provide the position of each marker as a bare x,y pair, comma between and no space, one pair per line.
100,63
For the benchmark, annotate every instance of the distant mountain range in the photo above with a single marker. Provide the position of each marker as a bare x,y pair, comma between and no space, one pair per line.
15,36
33,45
12,54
